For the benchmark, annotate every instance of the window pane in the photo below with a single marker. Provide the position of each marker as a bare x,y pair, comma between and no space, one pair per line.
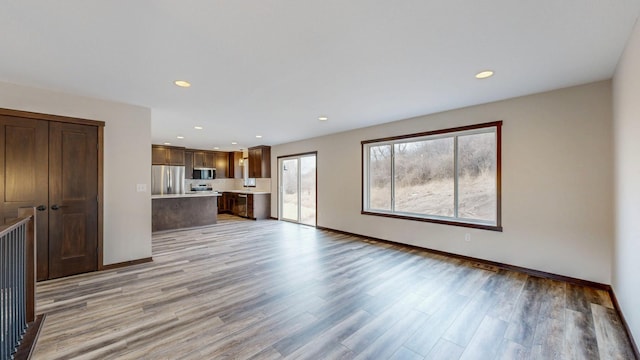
477,176
308,190
380,177
424,177
290,189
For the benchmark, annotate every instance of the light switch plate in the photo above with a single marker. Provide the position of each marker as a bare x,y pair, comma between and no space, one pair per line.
141,187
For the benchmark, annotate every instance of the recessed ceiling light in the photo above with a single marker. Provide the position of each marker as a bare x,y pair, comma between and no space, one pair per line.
182,83
180,137
234,143
323,118
167,143
198,127
484,74
215,148
259,136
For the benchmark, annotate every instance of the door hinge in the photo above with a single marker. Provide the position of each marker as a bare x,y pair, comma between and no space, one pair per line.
97,198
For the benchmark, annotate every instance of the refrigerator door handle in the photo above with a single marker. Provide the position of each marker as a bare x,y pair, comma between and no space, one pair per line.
169,185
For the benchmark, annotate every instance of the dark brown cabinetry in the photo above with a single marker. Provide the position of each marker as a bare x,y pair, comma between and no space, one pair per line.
227,203
167,155
235,165
212,159
188,164
204,159
222,164
227,164
223,203
258,206
260,162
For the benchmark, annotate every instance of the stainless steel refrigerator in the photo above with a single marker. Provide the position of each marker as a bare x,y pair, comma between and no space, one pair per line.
167,179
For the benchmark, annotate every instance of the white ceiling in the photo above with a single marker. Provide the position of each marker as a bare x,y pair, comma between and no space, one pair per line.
271,67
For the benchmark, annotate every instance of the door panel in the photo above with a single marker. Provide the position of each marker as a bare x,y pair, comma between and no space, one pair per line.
73,234
290,194
308,190
20,163
74,164
24,182
73,191
297,182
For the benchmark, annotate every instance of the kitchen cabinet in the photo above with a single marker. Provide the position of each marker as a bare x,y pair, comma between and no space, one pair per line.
231,203
218,160
225,202
188,164
234,159
260,162
238,204
235,165
204,159
167,155
222,164
258,205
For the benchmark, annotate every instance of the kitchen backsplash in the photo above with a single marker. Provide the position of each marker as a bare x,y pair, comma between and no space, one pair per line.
262,185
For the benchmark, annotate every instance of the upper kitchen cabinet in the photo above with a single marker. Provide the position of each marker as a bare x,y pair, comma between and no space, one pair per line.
188,164
222,164
260,162
218,160
235,165
167,155
204,159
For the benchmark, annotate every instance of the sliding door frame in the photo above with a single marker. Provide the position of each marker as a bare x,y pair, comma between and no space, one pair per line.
279,185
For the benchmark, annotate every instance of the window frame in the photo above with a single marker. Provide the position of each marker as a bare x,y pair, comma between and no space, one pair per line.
442,133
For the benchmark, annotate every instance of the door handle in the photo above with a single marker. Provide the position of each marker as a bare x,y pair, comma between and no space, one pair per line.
41,208
56,207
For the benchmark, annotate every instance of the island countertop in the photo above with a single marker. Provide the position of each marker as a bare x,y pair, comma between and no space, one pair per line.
186,195
247,192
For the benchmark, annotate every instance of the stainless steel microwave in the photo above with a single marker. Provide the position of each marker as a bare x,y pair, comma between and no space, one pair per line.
204,173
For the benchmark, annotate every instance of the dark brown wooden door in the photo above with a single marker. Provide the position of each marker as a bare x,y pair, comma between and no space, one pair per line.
24,177
73,199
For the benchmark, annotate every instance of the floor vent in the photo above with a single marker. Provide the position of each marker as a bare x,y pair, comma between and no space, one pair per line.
485,267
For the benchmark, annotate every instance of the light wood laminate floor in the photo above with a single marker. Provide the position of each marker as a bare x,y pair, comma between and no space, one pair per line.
275,290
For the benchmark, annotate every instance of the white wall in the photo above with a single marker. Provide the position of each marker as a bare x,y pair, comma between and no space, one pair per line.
557,183
626,111
127,149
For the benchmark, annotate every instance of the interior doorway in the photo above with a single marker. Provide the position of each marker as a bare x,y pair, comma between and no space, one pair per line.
53,164
297,188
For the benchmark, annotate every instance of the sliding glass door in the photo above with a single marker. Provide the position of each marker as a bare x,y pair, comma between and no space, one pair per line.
297,188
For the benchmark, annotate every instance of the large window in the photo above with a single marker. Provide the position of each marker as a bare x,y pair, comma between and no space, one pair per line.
449,176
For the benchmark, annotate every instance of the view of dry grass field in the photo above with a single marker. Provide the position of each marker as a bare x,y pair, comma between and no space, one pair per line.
419,177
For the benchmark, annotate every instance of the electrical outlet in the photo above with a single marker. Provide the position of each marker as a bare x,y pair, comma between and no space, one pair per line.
141,187
467,237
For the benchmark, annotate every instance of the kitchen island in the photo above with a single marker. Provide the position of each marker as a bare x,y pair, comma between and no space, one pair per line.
180,211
